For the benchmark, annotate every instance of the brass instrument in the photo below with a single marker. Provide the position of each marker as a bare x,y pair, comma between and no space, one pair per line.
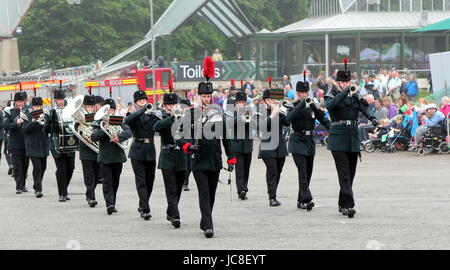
284,106
80,127
64,138
308,102
353,91
149,108
110,130
178,112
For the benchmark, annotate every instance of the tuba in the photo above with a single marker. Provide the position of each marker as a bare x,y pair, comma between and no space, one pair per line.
111,125
81,126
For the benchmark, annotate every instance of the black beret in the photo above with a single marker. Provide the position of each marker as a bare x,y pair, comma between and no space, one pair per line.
241,96
111,103
138,95
89,100
37,101
99,100
343,76
302,86
59,94
20,96
205,88
171,98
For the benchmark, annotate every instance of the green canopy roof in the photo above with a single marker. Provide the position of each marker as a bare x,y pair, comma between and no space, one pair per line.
439,26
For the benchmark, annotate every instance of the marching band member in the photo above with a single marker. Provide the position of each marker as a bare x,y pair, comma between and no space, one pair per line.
344,106
302,144
64,160
89,163
242,142
6,152
206,161
273,150
16,141
172,160
36,143
99,103
142,152
111,157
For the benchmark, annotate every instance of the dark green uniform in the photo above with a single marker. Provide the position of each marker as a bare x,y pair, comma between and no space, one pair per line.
16,145
143,155
207,162
242,145
343,141
273,153
302,145
37,149
173,165
111,157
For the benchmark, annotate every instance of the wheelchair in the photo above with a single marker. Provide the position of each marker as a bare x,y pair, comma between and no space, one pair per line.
434,140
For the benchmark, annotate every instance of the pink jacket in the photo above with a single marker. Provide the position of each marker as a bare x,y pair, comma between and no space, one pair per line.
446,110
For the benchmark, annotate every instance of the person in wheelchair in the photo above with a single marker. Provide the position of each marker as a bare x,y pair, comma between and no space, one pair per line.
432,118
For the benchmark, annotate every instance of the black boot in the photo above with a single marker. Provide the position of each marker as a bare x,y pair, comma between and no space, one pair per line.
274,202
110,209
209,233
176,222
243,195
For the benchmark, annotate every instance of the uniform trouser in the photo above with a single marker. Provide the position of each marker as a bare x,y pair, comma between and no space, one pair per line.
346,169
188,171
91,172
173,182
1,144
20,167
64,170
305,165
274,167
244,161
111,179
144,173
39,167
8,155
206,184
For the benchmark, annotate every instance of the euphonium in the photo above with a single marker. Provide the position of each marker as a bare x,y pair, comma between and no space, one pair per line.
111,130
285,106
80,128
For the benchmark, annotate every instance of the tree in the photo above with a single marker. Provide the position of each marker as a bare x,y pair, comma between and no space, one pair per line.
61,35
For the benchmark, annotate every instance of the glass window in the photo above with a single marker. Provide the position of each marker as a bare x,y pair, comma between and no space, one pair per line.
437,5
416,5
342,47
427,5
395,5
267,61
447,5
314,55
417,50
406,5
373,7
391,52
292,57
149,80
165,78
369,56
362,5
385,5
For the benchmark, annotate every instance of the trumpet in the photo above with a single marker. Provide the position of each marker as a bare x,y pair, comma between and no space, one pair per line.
149,108
353,91
308,102
110,130
178,112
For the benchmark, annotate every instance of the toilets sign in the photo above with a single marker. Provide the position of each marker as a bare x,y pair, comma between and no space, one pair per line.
193,71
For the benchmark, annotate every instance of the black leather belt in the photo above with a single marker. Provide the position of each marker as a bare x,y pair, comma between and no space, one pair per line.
345,123
143,140
170,147
305,133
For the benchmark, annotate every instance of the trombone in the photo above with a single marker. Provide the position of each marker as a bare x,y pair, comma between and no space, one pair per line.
178,112
110,130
